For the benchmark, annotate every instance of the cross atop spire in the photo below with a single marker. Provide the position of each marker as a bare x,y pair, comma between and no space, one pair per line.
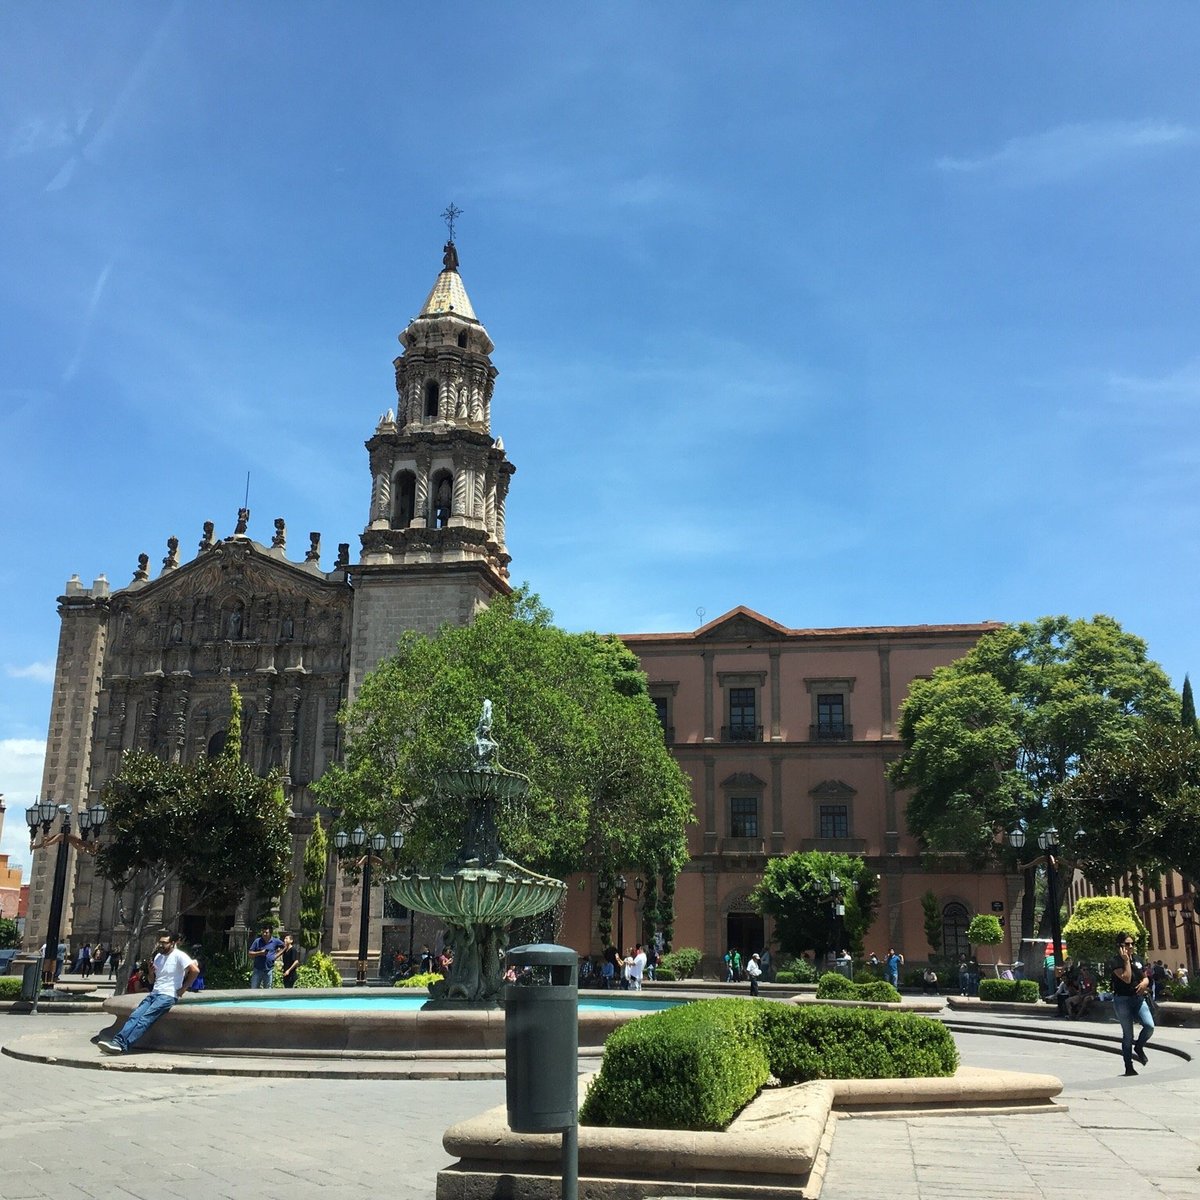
450,216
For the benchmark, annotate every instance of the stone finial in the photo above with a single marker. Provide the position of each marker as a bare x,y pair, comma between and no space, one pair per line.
314,548
242,522
143,569
343,556
208,540
171,562
449,257
279,541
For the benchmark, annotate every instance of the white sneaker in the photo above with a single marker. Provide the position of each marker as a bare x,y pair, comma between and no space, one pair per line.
110,1047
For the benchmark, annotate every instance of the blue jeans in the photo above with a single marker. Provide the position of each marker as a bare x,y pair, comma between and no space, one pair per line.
142,1017
1129,1009
260,979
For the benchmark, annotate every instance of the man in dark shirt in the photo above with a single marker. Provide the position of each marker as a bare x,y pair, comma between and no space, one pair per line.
1130,1001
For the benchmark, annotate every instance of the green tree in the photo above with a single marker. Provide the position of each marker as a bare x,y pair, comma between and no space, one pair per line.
9,937
931,909
795,892
986,930
1187,709
989,737
211,826
1137,805
312,891
1091,933
570,711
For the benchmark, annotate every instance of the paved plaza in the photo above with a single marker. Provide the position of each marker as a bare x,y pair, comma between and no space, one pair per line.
74,1133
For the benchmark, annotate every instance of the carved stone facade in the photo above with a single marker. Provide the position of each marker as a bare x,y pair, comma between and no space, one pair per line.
150,666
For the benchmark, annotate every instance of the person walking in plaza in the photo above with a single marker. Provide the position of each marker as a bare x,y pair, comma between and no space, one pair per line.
753,971
171,974
263,951
637,968
1131,1001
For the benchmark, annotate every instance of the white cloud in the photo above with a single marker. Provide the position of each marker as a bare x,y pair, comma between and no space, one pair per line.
1181,384
21,770
1069,150
40,672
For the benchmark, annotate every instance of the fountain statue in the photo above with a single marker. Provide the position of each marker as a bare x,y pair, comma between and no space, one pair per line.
486,890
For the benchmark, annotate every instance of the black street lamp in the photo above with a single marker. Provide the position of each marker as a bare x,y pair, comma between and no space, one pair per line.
358,845
620,889
837,911
91,821
1048,841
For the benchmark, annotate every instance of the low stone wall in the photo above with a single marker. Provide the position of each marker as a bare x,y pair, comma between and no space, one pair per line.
776,1148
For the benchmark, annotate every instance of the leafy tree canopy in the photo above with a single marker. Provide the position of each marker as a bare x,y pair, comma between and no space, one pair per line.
212,825
794,891
988,737
9,937
1137,805
570,711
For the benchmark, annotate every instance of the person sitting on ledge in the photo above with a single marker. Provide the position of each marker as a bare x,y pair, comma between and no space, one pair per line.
171,974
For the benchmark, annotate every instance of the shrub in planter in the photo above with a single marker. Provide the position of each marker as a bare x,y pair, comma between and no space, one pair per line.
1175,991
837,987
682,963
786,976
1014,991
912,977
419,981
814,1041
664,973
691,1067
1091,933
10,987
318,970
864,976
832,986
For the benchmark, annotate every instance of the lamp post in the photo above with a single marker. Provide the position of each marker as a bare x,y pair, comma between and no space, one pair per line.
365,849
837,912
91,821
1048,841
620,889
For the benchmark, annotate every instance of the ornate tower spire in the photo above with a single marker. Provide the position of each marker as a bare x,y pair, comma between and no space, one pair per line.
439,477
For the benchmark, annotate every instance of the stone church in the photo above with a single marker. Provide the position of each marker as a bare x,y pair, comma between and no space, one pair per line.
150,665
786,733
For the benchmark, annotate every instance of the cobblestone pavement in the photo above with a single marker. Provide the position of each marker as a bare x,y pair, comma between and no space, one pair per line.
70,1133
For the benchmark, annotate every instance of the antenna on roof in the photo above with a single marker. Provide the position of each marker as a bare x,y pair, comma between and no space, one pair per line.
700,613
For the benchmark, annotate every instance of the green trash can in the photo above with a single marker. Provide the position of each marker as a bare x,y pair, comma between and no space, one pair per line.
541,1039
31,977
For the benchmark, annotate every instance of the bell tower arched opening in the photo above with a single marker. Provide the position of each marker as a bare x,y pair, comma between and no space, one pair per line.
405,500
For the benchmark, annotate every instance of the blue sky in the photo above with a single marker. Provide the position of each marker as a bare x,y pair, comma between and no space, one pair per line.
853,314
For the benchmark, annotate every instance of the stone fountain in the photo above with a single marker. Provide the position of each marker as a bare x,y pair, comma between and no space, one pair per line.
485,891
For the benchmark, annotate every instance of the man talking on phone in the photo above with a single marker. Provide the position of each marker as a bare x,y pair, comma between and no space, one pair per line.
1131,1001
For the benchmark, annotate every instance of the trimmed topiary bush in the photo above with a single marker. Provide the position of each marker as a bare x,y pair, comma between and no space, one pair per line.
832,986
1091,933
692,1067
1013,991
664,973
10,987
697,1066
815,1041
682,963
318,970
419,981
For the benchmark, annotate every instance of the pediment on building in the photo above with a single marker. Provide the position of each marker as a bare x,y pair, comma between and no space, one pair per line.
833,789
741,624
743,779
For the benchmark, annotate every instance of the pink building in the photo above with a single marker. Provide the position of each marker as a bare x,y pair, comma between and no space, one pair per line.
786,734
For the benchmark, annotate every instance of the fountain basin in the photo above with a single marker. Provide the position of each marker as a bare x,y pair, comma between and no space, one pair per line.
314,1022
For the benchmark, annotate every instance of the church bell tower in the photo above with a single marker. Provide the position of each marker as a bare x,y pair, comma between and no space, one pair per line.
433,550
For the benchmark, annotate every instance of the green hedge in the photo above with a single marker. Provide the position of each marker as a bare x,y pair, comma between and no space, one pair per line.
692,1067
318,970
832,986
1017,991
419,981
682,963
10,987
664,973
697,1066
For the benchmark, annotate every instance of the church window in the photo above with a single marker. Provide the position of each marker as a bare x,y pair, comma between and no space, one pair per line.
431,398
442,499
462,339
216,743
405,500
